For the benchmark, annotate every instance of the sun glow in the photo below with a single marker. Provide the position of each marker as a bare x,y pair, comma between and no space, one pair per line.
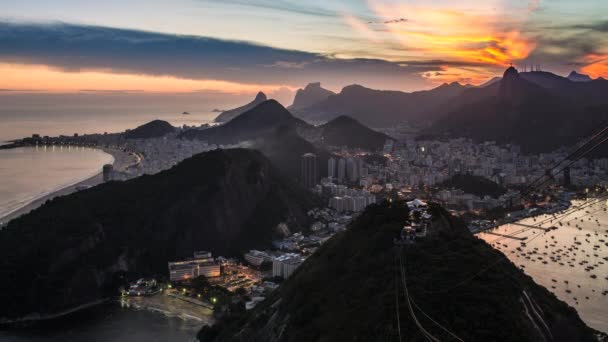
19,77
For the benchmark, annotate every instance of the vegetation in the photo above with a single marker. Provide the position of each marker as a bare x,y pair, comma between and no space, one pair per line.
347,290
476,185
346,131
152,129
75,249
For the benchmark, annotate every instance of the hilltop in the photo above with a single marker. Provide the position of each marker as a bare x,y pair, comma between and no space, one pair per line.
346,131
233,113
264,118
351,290
311,94
75,249
381,108
538,111
152,129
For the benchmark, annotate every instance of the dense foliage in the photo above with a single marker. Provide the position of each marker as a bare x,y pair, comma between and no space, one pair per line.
152,129
68,252
346,131
347,291
476,185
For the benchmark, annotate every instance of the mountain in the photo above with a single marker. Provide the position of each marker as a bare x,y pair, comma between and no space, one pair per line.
519,110
346,131
381,108
490,82
233,113
152,129
74,249
285,147
352,289
576,77
312,94
476,185
264,118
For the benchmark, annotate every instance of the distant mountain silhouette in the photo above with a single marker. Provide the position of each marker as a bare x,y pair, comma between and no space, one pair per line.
224,201
576,77
233,113
264,118
346,131
537,110
152,129
312,94
381,108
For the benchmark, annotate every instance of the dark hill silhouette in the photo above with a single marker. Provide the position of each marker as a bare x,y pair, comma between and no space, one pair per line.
72,250
476,185
312,94
346,131
576,77
152,129
381,108
233,113
516,110
285,147
260,120
351,290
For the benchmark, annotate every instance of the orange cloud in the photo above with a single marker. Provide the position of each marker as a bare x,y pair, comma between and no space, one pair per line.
40,77
597,65
471,33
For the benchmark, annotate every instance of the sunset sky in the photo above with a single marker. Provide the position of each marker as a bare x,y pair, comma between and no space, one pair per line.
242,46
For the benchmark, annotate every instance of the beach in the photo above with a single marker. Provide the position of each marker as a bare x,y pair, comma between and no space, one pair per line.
121,161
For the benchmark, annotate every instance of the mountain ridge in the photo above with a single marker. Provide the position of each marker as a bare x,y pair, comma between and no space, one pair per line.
75,249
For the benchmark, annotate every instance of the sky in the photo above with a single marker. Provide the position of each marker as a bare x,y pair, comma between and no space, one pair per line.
277,46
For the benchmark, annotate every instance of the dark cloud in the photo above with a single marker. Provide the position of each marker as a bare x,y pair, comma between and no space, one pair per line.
598,26
392,21
78,47
279,5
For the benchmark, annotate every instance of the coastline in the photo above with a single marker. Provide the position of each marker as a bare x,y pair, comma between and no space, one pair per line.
121,161
39,318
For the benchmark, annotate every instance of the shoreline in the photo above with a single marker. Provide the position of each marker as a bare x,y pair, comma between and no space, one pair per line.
48,317
121,161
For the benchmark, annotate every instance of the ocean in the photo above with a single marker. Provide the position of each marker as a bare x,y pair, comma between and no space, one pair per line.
22,115
559,259
28,173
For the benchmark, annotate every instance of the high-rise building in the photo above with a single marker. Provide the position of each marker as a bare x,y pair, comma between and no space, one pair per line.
107,172
309,170
352,171
341,169
331,168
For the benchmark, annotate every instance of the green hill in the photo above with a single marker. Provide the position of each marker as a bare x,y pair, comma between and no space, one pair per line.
351,290
476,185
74,249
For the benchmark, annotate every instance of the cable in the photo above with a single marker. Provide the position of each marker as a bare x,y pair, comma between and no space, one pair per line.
432,320
397,299
407,296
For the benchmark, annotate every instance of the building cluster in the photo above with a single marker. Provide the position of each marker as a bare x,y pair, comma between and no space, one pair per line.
349,169
455,198
201,264
162,153
418,223
344,199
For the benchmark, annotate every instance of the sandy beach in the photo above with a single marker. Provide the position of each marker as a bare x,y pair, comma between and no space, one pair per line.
122,160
